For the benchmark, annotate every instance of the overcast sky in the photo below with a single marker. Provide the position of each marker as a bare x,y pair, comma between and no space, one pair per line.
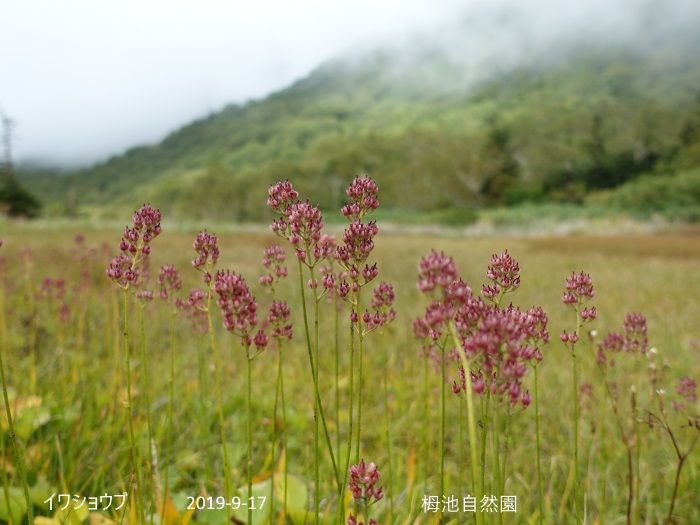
84,79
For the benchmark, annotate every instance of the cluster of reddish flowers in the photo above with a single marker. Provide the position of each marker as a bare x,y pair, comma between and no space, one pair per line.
298,222
135,247
273,261
499,342
633,338
238,307
364,485
206,246
169,281
578,290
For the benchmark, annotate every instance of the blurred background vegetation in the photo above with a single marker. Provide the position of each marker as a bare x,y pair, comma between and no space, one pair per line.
593,128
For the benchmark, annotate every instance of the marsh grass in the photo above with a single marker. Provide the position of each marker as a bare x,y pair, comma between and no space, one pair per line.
656,275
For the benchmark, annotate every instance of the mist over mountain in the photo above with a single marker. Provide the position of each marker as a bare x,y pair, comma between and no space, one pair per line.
506,103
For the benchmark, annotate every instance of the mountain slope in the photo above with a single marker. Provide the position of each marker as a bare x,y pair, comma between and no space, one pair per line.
436,131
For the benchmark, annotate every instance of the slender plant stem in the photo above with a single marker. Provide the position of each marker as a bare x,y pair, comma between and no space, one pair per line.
540,494
318,407
574,384
360,382
284,435
169,423
219,407
336,341
387,421
145,382
317,452
470,414
443,380
249,433
16,449
351,397
679,468
135,456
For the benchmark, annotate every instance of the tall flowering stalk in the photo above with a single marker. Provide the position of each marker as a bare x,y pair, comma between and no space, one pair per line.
358,243
16,447
577,292
279,324
493,345
301,224
126,271
206,247
239,310
169,283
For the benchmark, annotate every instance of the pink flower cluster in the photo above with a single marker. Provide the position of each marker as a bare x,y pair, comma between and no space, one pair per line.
278,318
363,196
280,196
499,342
195,309
238,307
169,281
578,289
53,289
273,261
206,246
436,270
364,479
633,338
298,222
135,246
504,273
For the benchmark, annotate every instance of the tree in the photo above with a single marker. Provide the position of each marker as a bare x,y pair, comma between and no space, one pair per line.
15,201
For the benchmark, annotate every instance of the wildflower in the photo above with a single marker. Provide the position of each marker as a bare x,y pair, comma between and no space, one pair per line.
206,246
358,242
687,389
436,270
363,483
169,281
135,247
273,261
578,290
194,308
504,273
635,326
363,195
144,296
278,316
280,196
238,306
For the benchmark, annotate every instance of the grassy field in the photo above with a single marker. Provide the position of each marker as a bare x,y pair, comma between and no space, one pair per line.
65,369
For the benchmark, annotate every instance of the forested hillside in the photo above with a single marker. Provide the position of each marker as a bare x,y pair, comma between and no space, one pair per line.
569,126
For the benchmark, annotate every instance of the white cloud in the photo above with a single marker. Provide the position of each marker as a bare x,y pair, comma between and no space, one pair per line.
85,79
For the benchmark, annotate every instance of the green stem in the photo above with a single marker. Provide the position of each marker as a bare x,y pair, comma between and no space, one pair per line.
351,397
145,381
470,414
16,449
387,421
576,418
284,435
360,385
135,456
249,432
169,424
443,378
540,494
219,407
318,407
